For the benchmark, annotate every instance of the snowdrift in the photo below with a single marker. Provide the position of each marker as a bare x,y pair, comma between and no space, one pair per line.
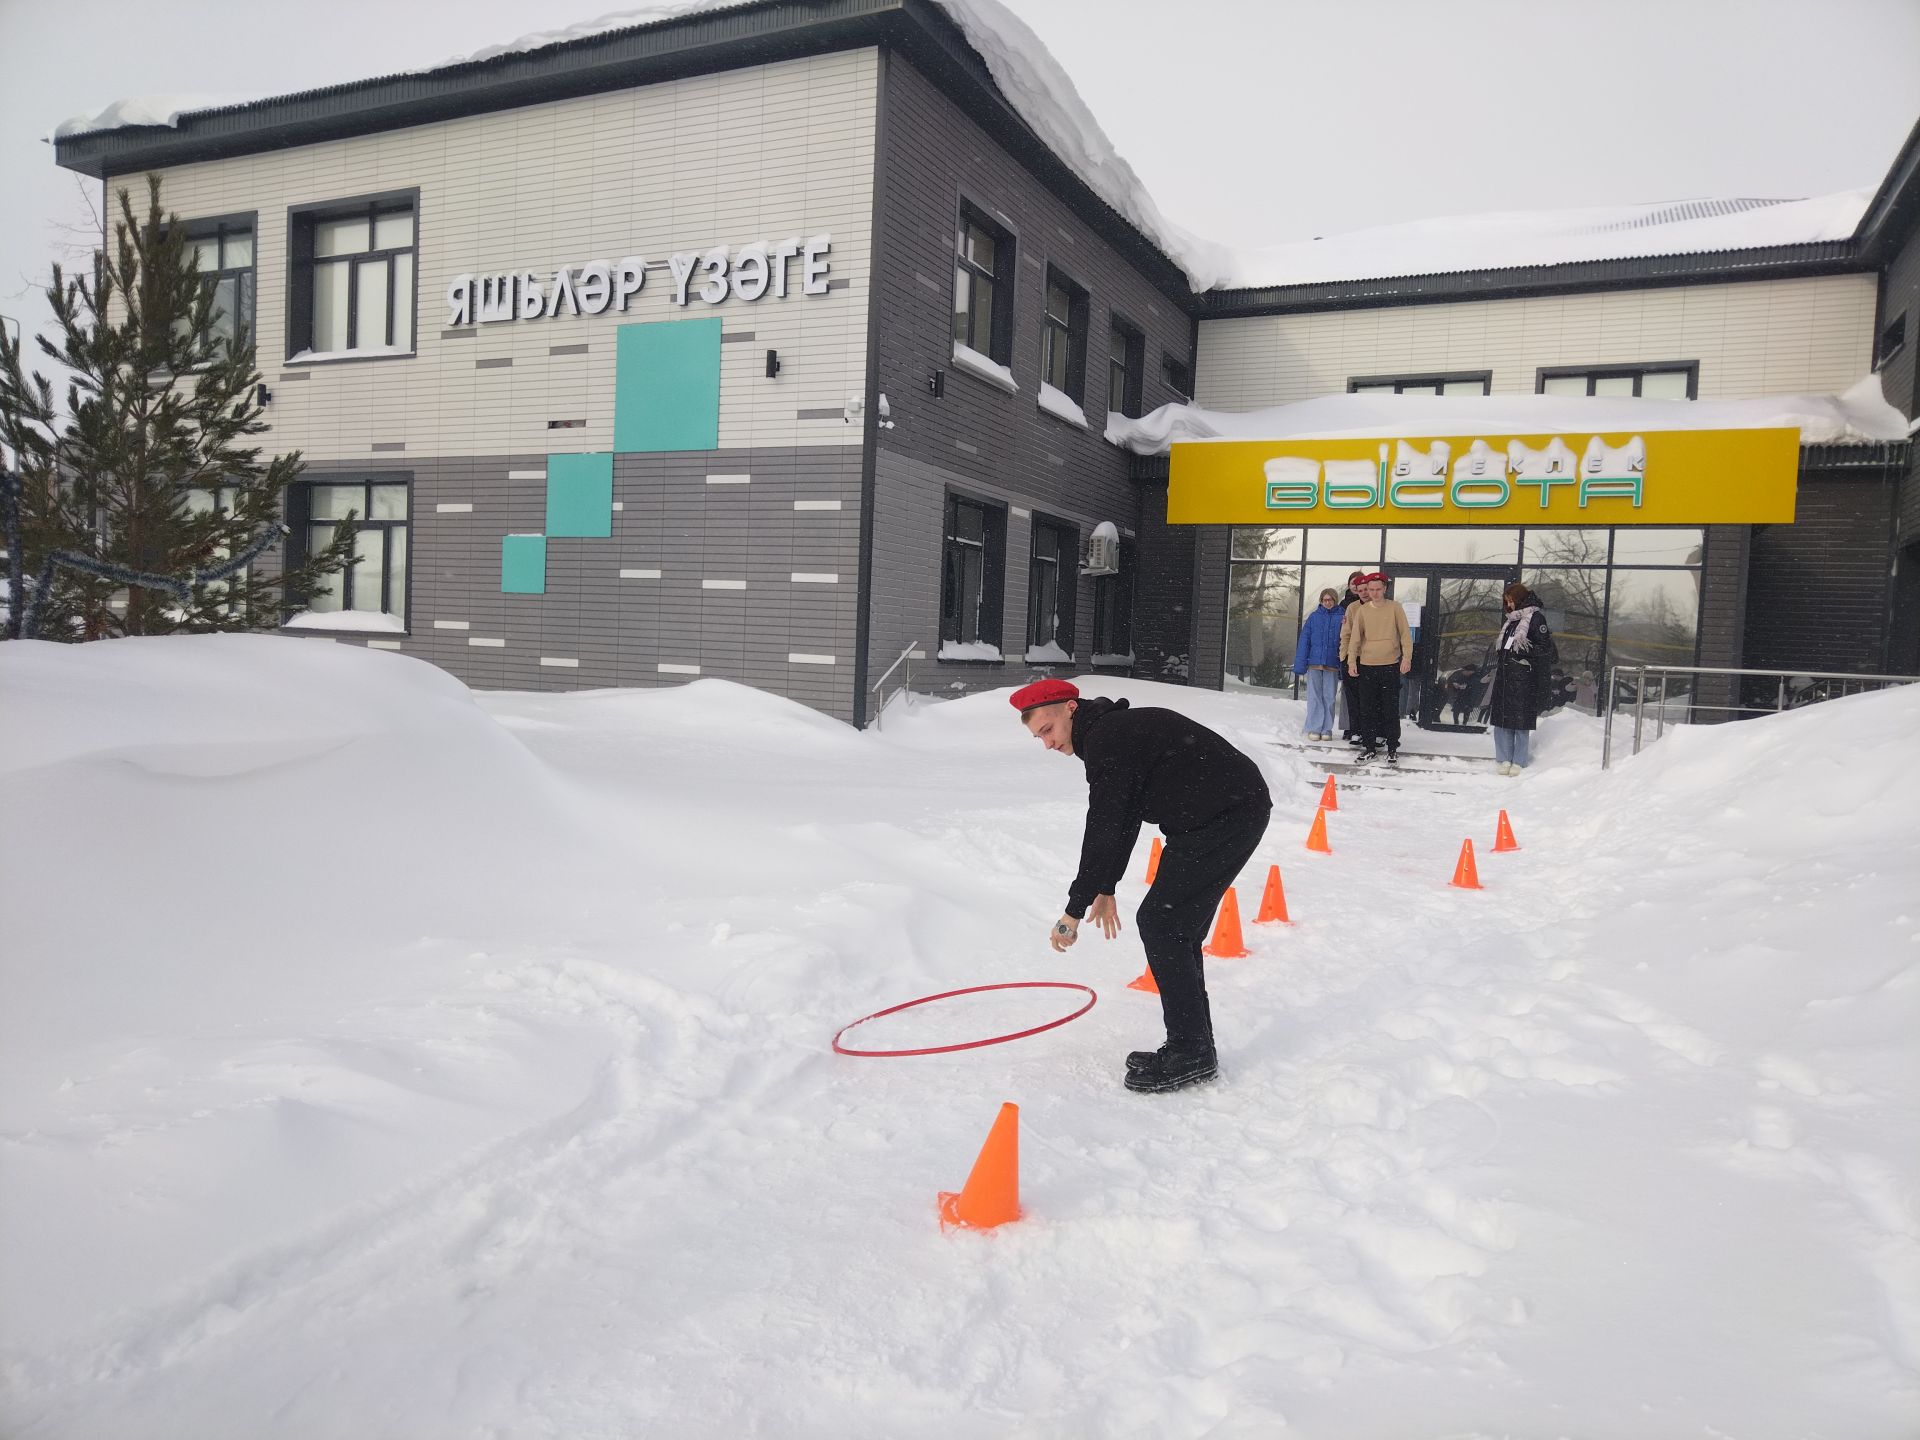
383,1060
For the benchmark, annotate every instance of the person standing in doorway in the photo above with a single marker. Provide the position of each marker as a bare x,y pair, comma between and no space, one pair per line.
1522,677
1378,651
1347,602
1212,804
1316,655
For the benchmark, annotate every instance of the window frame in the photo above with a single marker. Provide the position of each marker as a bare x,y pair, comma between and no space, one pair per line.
299,521
993,545
1004,278
1134,367
219,226
1171,363
302,220
1064,557
1438,378
1637,371
1111,593
1073,330
1883,353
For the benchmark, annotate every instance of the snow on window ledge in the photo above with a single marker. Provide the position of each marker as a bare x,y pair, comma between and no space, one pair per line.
1126,659
968,650
365,352
359,621
985,366
1048,654
1059,403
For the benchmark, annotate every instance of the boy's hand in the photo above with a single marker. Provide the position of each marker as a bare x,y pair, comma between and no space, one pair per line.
1104,913
1065,931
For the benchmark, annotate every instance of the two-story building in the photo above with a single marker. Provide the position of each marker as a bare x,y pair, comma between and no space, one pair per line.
775,342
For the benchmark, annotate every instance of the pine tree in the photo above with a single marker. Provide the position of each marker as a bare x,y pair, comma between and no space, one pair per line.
142,509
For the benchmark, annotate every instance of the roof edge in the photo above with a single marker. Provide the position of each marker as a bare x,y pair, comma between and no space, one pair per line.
1773,262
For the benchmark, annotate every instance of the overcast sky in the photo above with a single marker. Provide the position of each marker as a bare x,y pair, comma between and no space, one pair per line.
1251,121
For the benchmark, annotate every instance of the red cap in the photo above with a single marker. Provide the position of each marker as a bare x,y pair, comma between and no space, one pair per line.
1044,692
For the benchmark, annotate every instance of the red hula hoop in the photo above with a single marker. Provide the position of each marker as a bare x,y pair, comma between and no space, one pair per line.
840,1049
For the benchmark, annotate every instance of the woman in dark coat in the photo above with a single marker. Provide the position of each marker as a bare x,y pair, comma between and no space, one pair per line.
1522,677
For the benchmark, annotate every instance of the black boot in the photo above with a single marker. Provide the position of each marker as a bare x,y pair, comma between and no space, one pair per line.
1171,1067
1138,1058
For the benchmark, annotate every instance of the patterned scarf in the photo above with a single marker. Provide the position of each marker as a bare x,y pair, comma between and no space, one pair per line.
1513,634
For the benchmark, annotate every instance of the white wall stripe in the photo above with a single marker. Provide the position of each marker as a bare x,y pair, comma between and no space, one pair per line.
723,584
451,625
816,504
666,669
453,509
729,479
483,640
619,504
383,644
794,657
526,474
560,662
804,577
639,574
1023,514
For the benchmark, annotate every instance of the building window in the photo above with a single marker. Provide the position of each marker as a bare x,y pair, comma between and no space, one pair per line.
983,287
1892,338
222,251
1178,373
1063,337
1477,382
222,501
352,289
1643,382
1126,367
970,580
1113,612
376,582
1053,573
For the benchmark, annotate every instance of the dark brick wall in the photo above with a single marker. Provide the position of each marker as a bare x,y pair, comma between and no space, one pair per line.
1819,591
977,437
1723,615
1164,606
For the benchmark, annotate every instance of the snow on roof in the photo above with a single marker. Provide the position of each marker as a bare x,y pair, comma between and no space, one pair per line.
1860,416
1043,95
1507,239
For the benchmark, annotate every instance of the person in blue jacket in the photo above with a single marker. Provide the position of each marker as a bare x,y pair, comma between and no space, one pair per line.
1317,656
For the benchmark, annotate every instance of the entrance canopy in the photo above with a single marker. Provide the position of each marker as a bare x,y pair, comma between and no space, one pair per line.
1499,459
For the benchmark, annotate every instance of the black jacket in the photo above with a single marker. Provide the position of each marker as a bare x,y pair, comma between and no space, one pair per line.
1522,682
1155,766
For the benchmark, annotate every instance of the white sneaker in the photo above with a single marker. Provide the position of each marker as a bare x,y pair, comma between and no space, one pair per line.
1505,768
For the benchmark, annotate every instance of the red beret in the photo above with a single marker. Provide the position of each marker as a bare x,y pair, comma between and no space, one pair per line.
1044,692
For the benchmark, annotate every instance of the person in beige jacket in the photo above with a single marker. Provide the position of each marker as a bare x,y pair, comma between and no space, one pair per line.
1376,645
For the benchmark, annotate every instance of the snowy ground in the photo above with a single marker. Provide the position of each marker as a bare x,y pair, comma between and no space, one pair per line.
376,1062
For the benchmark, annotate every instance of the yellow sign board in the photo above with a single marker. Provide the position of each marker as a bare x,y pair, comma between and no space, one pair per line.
1648,477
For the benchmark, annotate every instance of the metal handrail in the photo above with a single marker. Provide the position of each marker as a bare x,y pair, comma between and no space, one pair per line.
906,680
1641,672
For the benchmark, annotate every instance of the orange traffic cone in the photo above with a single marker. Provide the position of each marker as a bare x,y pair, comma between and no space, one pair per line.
1273,904
1464,875
1153,860
1226,943
1330,795
991,1195
1145,983
1503,836
1317,836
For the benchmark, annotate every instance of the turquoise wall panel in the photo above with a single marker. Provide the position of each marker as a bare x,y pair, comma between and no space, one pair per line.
666,389
523,565
580,495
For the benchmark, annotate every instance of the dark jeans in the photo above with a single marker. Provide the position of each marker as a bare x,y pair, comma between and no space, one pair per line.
1195,870
1377,714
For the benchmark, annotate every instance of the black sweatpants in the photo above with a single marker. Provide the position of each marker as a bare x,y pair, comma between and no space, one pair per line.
1377,716
1196,867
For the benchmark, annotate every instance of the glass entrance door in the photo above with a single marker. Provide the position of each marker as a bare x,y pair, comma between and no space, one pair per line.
1454,630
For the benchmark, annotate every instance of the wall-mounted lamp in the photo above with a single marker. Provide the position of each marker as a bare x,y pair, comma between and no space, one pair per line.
773,364
262,396
937,384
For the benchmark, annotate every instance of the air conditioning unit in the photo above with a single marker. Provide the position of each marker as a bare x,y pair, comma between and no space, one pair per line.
1103,550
